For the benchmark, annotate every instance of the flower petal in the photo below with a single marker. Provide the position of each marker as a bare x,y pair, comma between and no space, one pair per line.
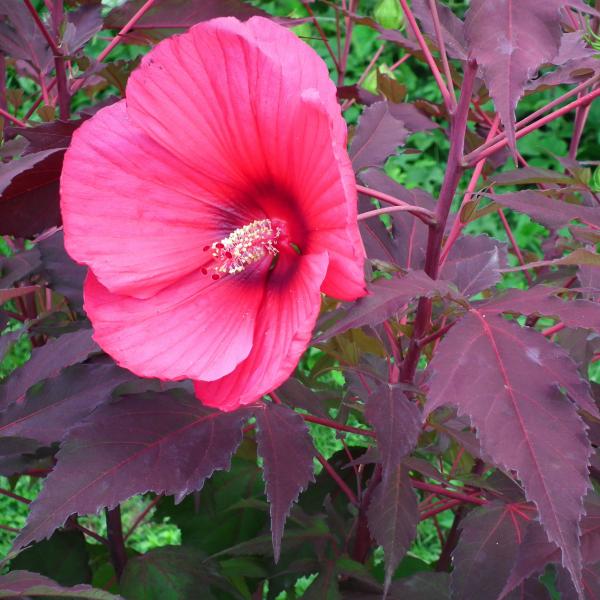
196,328
237,95
283,330
132,211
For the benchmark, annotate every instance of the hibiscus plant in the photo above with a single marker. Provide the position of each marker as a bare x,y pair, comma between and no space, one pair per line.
281,278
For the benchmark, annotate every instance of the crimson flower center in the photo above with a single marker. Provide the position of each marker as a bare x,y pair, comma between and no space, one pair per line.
243,247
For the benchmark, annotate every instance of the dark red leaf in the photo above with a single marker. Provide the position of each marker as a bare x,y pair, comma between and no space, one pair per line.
548,211
160,442
46,361
47,136
22,584
397,423
542,300
536,551
422,586
527,175
295,394
393,515
29,198
49,412
173,572
16,292
510,41
179,14
532,589
474,264
405,242
589,279
64,275
386,298
452,27
21,38
591,583
82,25
16,267
414,120
378,134
506,378
17,455
286,448
487,548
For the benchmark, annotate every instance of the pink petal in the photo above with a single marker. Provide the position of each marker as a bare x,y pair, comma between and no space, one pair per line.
133,212
259,107
196,328
283,331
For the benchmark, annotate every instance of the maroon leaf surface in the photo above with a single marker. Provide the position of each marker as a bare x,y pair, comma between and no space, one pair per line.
506,380
386,297
64,275
397,423
161,442
474,264
542,300
377,136
510,40
29,198
286,448
452,27
82,24
176,14
487,548
47,361
422,586
16,267
46,136
404,243
393,515
591,583
21,38
536,551
23,584
46,414
548,211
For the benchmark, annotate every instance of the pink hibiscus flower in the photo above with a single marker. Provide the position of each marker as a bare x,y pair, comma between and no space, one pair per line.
213,206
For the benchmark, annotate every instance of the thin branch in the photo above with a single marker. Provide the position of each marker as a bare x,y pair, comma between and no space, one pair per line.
114,527
442,47
338,426
339,481
323,36
428,56
12,118
581,116
142,516
501,141
14,496
421,213
442,491
43,30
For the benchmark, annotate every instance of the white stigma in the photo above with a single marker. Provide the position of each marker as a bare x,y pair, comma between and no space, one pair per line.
245,246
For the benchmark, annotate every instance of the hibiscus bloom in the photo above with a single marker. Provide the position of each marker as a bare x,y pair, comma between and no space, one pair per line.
213,206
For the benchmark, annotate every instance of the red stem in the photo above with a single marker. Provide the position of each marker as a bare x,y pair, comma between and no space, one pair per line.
452,177
340,482
142,516
51,42
428,56
338,426
421,213
442,47
442,491
581,116
12,118
14,496
485,152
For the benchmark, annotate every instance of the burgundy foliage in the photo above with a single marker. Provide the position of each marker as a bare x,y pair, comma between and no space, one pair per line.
459,397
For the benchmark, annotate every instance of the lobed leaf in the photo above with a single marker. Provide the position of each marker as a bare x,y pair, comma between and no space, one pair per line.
150,442
378,134
548,211
393,515
506,378
286,447
180,14
46,361
48,412
397,423
22,584
386,298
453,29
510,40
487,548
